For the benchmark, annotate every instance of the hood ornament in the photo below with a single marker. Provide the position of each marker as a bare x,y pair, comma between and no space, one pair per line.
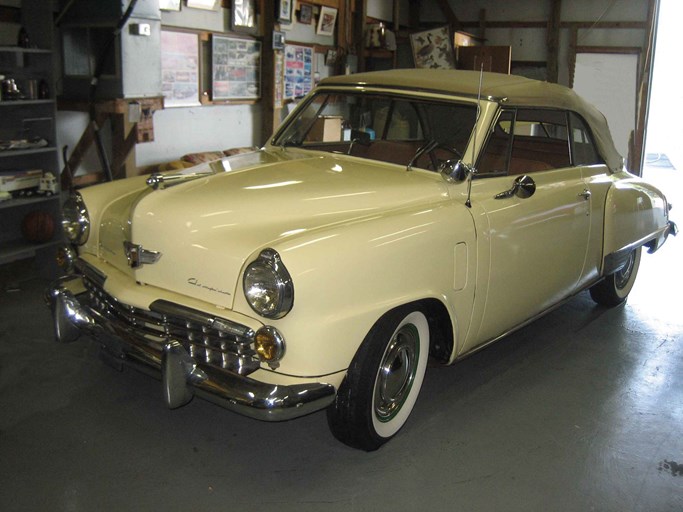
161,181
137,256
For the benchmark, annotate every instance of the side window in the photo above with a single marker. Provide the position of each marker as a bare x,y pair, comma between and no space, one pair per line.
540,141
583,149
494,159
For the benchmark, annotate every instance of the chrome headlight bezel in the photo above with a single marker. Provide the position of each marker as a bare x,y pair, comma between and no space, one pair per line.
75,219
268,286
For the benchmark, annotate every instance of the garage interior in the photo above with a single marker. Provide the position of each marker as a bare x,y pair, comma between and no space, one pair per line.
580,410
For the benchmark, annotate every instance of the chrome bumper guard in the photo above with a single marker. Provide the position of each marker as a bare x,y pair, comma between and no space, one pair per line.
181,375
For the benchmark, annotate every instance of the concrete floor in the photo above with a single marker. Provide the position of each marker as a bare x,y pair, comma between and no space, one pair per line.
580,411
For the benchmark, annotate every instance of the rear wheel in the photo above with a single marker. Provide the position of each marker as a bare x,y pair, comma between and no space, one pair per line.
614,289
383,381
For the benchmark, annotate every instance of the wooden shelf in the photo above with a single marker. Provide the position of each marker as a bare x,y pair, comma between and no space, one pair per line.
20,249
24,103
23,201
25,152
19,49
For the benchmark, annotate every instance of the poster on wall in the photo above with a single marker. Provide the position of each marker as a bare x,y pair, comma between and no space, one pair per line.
235,68
279,74
180,68
433,49
298,71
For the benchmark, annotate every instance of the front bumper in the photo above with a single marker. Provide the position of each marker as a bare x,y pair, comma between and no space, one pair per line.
182,376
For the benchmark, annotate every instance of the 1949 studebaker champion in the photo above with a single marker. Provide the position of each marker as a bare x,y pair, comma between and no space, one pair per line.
390,219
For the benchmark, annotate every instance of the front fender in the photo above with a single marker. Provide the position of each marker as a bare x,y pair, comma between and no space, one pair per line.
348,276
636,214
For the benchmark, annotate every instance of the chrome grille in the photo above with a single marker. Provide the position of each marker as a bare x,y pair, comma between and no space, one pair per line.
213,341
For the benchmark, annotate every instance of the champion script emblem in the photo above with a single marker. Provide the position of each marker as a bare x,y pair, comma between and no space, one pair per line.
195,282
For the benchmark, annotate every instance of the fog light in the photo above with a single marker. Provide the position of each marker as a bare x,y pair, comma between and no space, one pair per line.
270,345
66,258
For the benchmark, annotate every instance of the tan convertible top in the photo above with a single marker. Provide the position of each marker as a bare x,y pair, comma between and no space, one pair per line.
505,89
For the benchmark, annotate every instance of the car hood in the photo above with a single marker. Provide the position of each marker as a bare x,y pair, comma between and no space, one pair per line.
205,230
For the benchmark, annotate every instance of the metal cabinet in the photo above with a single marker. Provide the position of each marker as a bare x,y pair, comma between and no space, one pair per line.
30,225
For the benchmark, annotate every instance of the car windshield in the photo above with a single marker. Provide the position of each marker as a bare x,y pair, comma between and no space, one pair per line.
390,128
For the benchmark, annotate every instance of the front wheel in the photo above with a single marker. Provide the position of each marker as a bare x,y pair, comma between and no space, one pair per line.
383,381
614,289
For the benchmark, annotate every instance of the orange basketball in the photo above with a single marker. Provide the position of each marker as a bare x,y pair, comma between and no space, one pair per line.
38,227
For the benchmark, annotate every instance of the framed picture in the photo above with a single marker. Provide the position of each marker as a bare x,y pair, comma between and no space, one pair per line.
209,5
305,13
235,68
328,17
243,16
284,13
298,71
278,40
169,5
180,68
433,49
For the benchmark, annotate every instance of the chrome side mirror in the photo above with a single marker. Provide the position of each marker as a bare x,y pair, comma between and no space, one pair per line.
523,187
455,171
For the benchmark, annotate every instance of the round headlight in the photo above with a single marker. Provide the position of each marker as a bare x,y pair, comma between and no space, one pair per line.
268,286
75,219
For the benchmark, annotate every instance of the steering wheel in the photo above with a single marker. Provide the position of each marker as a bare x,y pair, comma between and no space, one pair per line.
435,161
430,146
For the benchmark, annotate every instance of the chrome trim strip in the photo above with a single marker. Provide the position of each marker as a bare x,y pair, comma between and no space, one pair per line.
93,274
616,259
165,307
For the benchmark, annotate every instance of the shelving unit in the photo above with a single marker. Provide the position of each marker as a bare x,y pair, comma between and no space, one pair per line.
27,119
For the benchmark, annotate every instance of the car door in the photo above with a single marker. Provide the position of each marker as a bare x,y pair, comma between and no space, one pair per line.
532,213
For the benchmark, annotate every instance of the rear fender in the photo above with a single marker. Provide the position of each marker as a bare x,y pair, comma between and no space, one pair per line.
636,214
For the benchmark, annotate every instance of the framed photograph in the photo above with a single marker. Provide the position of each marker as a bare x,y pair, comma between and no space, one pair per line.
235,68
298,71
169,5
284,13
180,68
209,5
433,49
328,18
243,18
278,40
305,13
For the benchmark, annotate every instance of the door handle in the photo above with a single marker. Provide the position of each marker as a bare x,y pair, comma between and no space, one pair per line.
586,194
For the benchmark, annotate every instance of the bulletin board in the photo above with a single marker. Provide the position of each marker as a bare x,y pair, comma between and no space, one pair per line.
298,80
235,68
180,68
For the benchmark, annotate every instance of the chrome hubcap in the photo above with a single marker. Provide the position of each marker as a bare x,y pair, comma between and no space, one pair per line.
396,372
622,275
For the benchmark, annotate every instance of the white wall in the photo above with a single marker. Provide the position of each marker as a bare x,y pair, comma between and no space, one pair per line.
182,130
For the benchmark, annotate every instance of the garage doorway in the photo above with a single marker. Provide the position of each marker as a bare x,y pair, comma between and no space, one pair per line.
663,149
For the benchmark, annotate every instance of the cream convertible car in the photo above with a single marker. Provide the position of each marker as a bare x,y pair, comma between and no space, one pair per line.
390,219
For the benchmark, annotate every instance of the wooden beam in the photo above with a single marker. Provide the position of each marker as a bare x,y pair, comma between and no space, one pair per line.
450,16
637,149
638,25
571,55
360,15
10,14
271,115
482,23
414,12
553,40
